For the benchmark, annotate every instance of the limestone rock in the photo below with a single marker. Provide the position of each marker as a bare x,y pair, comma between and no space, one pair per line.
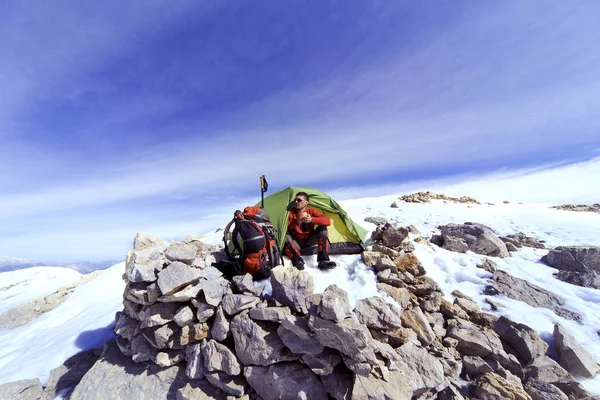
402,296
257,343
142,240
158,314
142,264
291,286
184,316
128,380
478,238
29,389
335,304
218,357
494,387
195,361
414,319
142,293
377,313
522,338
185,294
245,284
181,252
422,370
176,276
234,385
285,381
370,257
409,263
544,369
296,335
473,341
220,328
574,258
543,391
273,314
383,263
199,389
573,357
235,303
589,279
521,240
323,363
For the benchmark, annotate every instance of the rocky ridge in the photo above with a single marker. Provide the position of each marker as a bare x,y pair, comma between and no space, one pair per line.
207,337
579,207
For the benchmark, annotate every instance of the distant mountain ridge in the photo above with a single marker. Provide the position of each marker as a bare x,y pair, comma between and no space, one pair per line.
84,267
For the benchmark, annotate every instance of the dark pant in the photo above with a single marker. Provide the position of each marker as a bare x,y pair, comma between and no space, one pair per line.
318,236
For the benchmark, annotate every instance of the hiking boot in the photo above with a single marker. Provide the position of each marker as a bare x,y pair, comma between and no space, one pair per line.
298,262
326,264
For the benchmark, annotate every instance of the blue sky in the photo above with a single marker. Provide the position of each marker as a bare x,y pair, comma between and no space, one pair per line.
159,116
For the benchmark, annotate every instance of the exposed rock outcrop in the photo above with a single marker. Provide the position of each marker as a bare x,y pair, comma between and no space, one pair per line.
471,236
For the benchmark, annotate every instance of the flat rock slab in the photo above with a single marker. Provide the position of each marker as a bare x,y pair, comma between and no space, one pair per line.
574,258
285,381
29,389
572,356
69,373
176,276
116,376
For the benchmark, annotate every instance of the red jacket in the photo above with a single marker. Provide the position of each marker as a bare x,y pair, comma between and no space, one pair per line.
295,226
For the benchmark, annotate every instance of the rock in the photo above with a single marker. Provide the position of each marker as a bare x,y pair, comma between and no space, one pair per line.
257,343
573,357
424,286
588,279
402,296
204,311
220,328
456,244
29,389
142,350
158,336
334,304
450,392
432,302
296,335
185,253
386,276
126,327
285,381
186,294
375,312
184,316
235,303
473,341
218,357
468,305
349,337
273,314
386,251
415,319
495,305
574,258
383,263
376,220
370,257
141,293
450,311
475,365
245,284
128,380
522,338
214,289
141,265
291,286
323,363
142,240
190,334
522,290
409,263
393,237
478,238
176,276
521,240
168,358
199,390
158,314
195,361
492,386
234,385
543,391
488,265
422,370
544,369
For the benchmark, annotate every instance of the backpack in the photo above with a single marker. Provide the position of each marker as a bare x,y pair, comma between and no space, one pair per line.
250,246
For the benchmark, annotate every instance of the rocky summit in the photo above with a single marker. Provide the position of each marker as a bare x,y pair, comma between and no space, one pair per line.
187,332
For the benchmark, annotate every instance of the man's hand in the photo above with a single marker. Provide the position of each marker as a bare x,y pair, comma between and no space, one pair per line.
304,217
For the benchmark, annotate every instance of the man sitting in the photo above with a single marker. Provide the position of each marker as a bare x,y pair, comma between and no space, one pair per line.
307,227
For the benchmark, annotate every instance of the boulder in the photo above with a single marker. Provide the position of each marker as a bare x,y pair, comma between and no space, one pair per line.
291,286
176,276
546,370
334,304
574,258
296,335
589,279
29,389
522,290
375,312
257,343
289,380
572,356
414,319
422,370
477,237
543,391
492,386
473,341
522,338
383,263
218,357
142,264
183,252
519,240
142,240
409,263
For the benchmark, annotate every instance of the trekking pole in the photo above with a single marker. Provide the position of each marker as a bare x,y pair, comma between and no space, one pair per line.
264,186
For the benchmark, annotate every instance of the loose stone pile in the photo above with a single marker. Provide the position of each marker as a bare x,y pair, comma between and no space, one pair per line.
579,207
234,340
426,197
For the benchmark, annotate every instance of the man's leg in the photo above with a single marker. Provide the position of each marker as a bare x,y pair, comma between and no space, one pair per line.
323,249
292,250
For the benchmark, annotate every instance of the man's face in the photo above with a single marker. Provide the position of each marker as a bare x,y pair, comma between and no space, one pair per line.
301,202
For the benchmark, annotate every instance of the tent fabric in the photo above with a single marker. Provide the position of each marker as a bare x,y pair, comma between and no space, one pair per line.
345,235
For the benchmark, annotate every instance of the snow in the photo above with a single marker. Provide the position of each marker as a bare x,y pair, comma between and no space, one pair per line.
85,319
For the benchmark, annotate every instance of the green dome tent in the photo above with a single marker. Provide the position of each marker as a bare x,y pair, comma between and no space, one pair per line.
345,235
